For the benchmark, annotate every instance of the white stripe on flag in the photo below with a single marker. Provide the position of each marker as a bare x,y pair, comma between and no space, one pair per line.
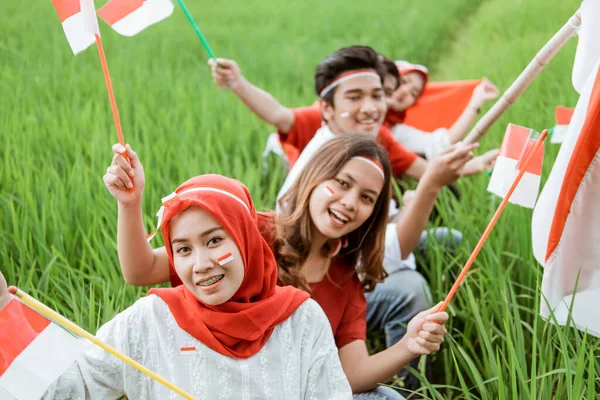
505,172
88,13
79,39
560,131
151,12
41,363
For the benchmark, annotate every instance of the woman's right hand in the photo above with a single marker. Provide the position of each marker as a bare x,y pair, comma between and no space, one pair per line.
125,180
445,168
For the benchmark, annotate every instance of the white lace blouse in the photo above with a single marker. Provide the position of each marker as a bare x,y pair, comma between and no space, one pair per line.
299,361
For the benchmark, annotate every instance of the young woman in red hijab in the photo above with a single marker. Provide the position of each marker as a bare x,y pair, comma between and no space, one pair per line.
227,332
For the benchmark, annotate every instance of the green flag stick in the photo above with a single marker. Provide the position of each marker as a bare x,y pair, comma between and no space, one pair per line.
197,29
199,33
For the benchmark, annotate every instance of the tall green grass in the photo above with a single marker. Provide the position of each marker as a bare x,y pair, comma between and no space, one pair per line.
500,348
58,222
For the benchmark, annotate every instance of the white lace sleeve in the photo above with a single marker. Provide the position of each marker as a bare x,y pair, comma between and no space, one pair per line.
98,374
427,143
326,378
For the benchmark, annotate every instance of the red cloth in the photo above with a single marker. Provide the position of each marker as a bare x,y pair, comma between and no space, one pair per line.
440,106
307,121
240,327
340,294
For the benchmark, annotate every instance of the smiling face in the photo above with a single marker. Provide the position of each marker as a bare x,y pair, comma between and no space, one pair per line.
411,88
205,257
342,204
360,106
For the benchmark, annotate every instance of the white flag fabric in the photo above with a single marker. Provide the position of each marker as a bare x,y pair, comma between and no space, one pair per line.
77,18
34,352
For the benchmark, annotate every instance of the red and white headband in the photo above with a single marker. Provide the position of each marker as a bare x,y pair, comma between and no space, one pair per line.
372,163
405,67
346,77
168,199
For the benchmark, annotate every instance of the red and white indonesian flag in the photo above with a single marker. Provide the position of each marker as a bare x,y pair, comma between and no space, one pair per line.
78,18
563,118
566,220
34,352
517,144
129,17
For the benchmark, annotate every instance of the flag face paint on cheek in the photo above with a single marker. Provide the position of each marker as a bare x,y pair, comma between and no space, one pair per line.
328,191
225,258
345,114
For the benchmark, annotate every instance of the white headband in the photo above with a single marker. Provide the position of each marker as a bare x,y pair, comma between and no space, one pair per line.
346,77
372,163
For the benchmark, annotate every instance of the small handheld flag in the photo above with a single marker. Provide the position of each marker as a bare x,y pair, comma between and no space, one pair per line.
130,17
77,330
530,157
563,118
73,20
28,341
518,142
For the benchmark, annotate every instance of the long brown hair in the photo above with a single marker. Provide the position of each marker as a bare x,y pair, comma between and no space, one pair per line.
294,226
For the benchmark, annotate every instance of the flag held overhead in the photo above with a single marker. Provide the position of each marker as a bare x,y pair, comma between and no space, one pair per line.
129,17
78,24
518,142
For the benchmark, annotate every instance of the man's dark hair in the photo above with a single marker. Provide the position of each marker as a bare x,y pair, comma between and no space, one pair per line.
344,60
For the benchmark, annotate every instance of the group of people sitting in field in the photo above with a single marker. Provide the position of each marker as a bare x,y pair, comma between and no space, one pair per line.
277,304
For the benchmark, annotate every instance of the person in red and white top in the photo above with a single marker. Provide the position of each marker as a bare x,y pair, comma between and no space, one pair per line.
403,92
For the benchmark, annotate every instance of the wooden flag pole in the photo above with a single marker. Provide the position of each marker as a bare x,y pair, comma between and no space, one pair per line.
541,59
495,218
76,329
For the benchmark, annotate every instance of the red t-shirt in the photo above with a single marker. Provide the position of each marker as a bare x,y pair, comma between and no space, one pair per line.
340,294
307,121
394,118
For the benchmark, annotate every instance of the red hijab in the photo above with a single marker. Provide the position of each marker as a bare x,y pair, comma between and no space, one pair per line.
240,327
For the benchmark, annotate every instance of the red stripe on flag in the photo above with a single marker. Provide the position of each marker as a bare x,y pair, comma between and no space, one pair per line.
115,10
224,257
19,326
66,8
584,152
535,166
514,141
563,115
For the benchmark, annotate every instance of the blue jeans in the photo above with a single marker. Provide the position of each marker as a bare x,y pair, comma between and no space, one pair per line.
404,294
381,393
